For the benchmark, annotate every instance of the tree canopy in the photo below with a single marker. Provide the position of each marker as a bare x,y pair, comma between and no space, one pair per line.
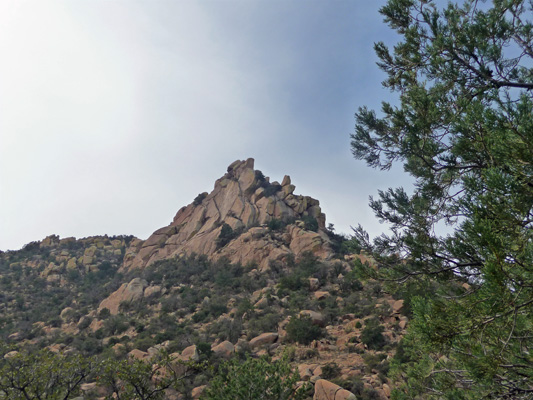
463,129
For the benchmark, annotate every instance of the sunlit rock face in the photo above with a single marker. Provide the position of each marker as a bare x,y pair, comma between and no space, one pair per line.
246,201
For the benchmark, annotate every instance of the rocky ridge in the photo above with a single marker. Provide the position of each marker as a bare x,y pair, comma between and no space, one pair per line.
246,201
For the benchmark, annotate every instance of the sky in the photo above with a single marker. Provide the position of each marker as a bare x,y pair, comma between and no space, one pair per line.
114,114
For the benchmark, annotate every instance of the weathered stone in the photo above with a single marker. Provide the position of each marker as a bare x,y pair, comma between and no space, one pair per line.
326,390
321,295
264,339
305,372
71,264
128,293
237,201
398,305
197,392
316,317
11,354
224,349
190,353
138,354
314,284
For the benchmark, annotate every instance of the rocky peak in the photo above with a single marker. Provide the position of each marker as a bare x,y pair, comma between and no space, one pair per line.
242,203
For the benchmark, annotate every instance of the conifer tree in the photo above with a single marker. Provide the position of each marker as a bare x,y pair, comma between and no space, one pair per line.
463,130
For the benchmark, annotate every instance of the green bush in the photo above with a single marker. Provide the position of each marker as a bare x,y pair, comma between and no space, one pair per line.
310,223
226,235
303,331
331,371
276,224
255,379
372,335
198,199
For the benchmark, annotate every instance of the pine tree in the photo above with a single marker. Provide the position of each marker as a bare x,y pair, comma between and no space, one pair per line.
463,129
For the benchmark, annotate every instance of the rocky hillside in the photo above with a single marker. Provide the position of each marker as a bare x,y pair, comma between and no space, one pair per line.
246,270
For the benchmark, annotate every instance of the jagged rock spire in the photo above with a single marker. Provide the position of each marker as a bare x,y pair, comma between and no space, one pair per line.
245,200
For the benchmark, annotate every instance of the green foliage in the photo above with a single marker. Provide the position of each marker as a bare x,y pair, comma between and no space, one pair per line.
276,224
271,190
142,380
104,313
43,375
198,199
303,331
310,223
226,235
255,379
463,130
372,334
330,371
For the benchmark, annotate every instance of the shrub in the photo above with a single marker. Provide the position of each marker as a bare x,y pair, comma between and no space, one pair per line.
372,335
276,224
226,235
271,190
198,199
310,223
255,379
104,313
303,331
330,371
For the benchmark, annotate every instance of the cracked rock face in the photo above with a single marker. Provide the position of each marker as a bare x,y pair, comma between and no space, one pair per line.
246,201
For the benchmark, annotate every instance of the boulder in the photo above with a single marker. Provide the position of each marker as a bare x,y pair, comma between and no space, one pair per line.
397,306
263,339
130,292
321,295
326,390
316,317
190,354
224,349
314,284
196,393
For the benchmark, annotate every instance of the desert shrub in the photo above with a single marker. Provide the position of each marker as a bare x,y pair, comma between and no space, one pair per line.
275,224
200,316
292,282
310,223
84,323
104,313
303,331
267,322
227,329
331,371
143,342
204,350
351,283
271,190
226,235
198,199
115,325
372,335
255,379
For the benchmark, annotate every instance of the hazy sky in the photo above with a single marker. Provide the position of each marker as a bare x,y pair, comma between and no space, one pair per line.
114,114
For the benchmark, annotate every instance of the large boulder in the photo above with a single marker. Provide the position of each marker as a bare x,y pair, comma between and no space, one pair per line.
326,390
127,293
224,349
264,339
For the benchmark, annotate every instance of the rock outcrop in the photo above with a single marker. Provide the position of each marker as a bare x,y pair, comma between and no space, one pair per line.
127,293
245,201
